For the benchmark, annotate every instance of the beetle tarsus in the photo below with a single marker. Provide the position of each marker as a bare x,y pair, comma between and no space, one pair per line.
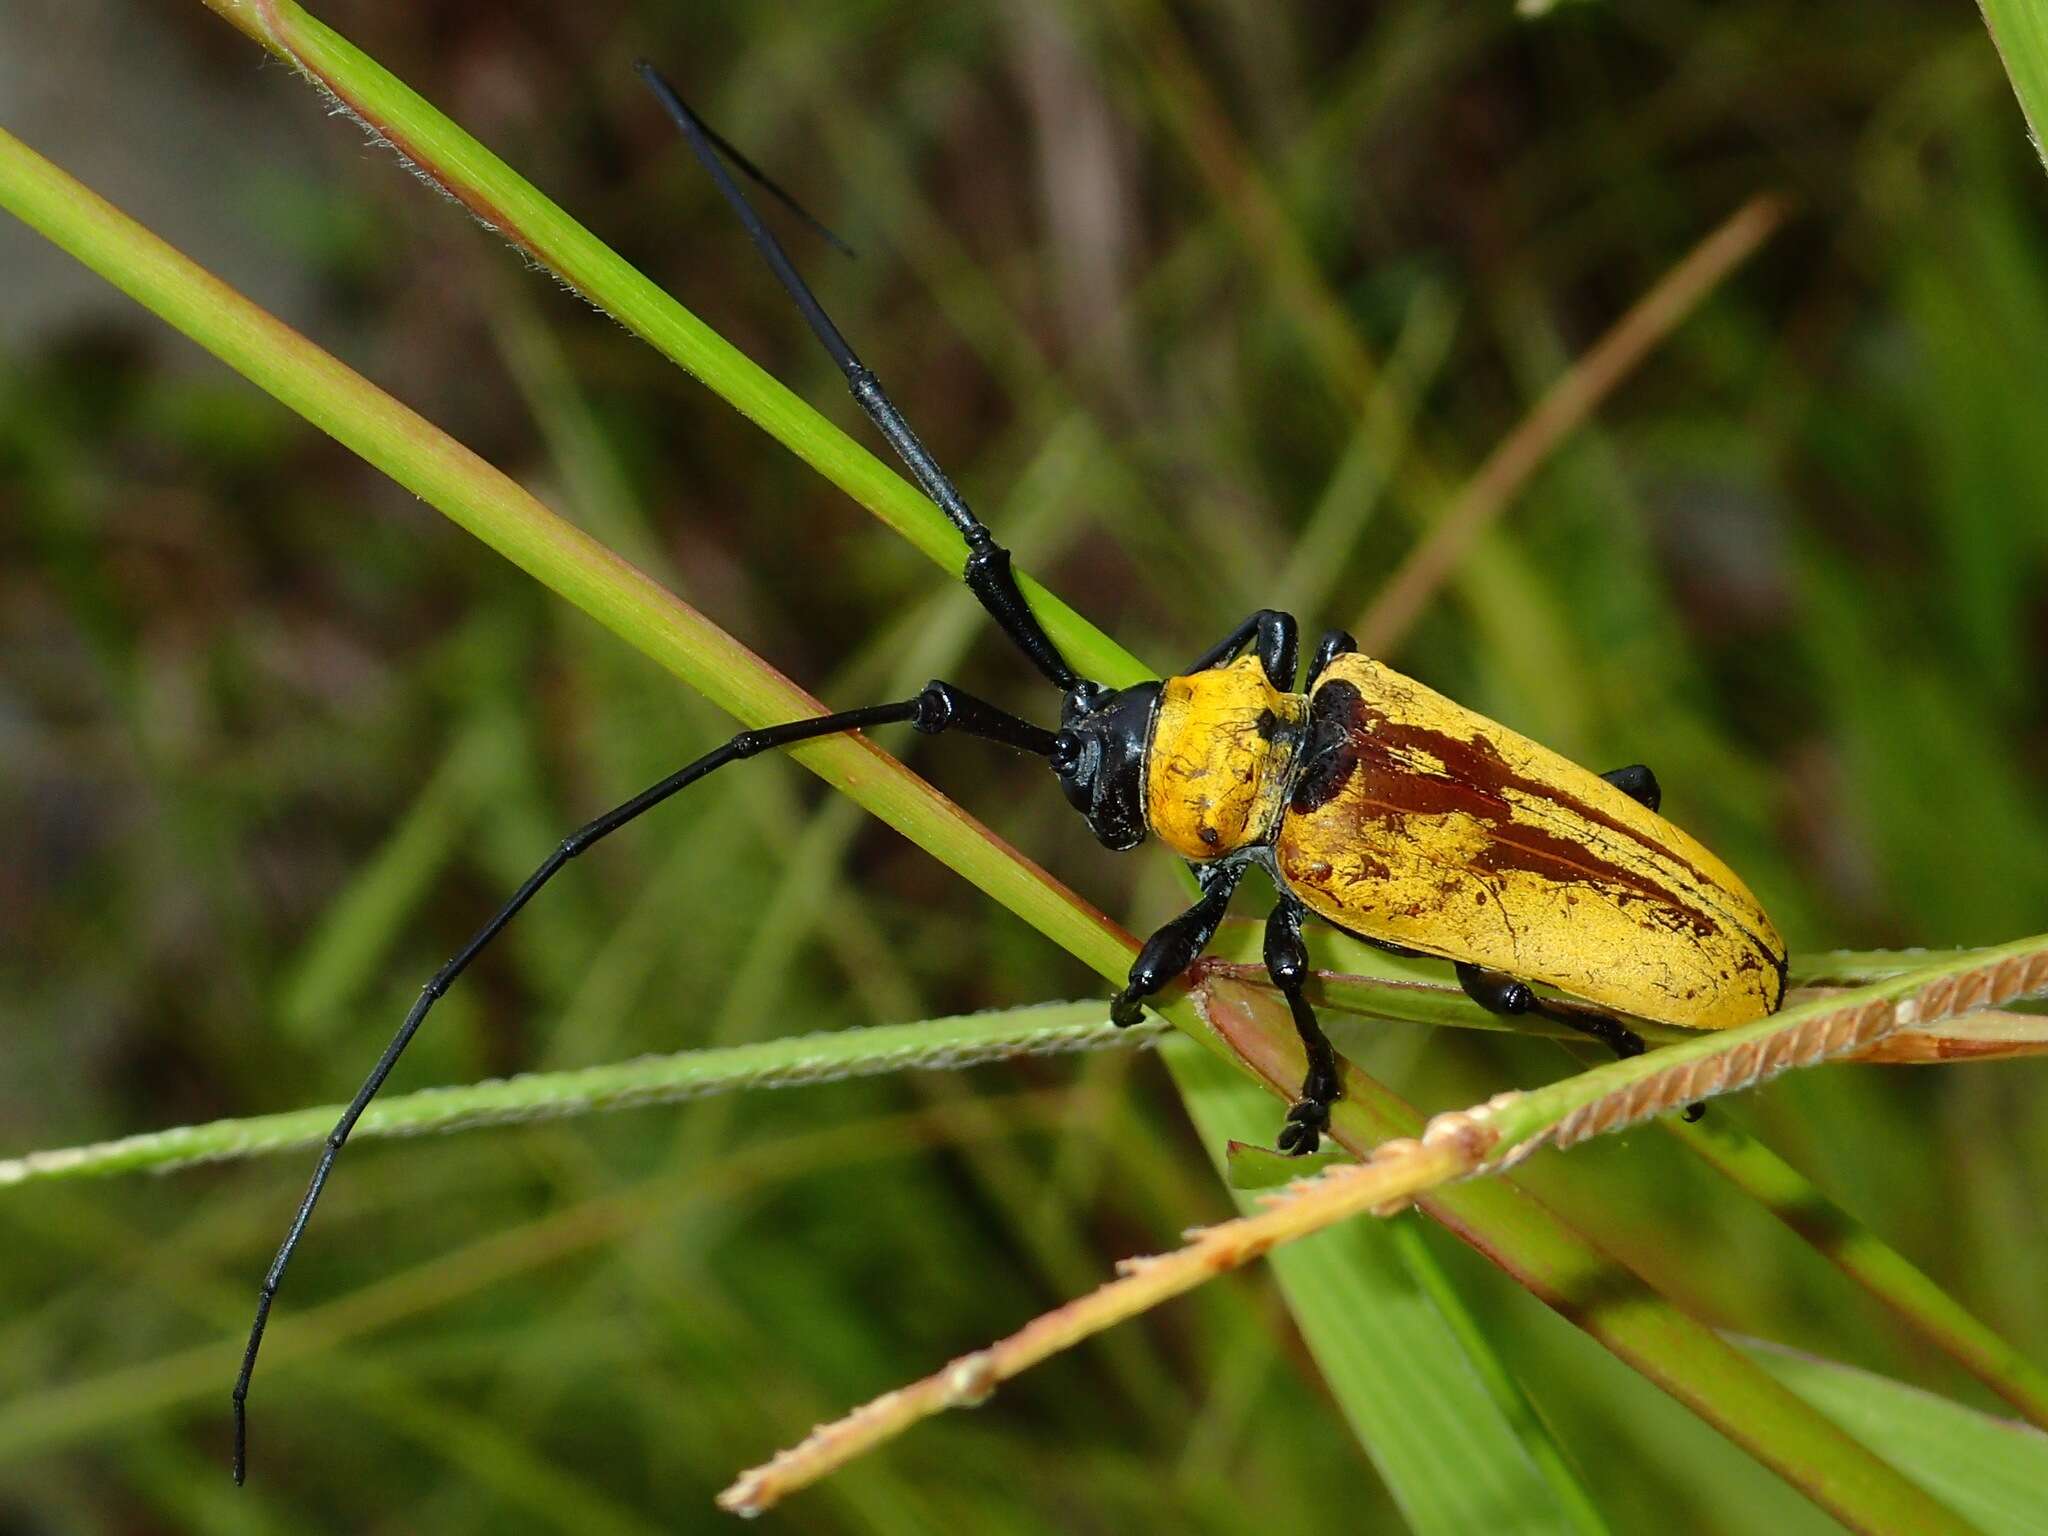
1303,1132
1334,643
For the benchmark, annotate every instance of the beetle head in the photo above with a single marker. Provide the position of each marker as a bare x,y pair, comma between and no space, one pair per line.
1099,756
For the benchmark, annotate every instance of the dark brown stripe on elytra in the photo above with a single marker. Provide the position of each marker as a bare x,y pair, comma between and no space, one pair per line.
1348,735
1479,760
1474,759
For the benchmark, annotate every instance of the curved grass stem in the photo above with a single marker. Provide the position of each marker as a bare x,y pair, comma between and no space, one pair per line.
1869,1260
787,1062
512,521
1551,1258
2020,30
443,154
1419,1164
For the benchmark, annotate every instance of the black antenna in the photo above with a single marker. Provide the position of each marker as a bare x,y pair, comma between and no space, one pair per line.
940,707
767,184
988,573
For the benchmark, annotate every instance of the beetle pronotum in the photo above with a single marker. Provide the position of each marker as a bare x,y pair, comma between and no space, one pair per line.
1369,800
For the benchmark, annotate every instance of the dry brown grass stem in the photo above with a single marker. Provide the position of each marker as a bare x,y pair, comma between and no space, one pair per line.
1454,1145
1564,408
1384,1182
1854,1030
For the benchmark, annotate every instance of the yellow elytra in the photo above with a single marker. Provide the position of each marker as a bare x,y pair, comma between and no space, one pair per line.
1400,816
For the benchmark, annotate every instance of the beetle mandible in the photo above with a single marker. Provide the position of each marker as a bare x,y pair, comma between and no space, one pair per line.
1371,801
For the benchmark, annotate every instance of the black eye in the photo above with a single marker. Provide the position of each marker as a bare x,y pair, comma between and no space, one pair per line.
1066,751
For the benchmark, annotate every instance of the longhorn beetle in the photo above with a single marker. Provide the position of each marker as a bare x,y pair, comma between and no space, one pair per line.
1371,802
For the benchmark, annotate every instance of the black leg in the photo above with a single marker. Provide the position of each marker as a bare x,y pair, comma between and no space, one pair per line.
1179,944
1334,644
940,707
1287,964
1502,994
1277,640
1499,993
987,572
1638,783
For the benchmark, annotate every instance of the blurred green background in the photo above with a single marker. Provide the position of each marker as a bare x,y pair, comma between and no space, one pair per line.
274,737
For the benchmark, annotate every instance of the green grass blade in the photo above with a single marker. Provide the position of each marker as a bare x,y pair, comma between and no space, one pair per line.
624,600
787,1062
511,206
1412,1384
2020,29
1869,1260
1503,1219
1992,1471
348,945
1249,1167
505,516
1606,1098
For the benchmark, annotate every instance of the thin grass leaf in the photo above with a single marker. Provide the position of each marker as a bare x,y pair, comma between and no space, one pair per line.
61,1416
1250,1168
2020,29
1562,410
1406,1162
1868,1260
1412,1385
348,947
1989,1470
497,510
1102,943
487,1452
1829,1028
435,148
1366,983
787,1062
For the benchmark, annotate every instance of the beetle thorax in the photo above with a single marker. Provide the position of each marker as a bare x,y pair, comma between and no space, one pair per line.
1221,760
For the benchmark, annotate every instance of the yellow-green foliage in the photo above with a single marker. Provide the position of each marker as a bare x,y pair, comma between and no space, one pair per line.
273,738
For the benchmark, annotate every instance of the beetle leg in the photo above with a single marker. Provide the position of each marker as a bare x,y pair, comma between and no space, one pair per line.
1287,964
1498,992
1333,644
1502,994
1275,639
1638,783
1177,945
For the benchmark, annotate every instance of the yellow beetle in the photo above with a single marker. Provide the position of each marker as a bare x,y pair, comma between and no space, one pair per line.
1394,814
1375,804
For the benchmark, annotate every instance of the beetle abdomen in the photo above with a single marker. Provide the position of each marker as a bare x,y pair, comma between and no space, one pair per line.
1417,822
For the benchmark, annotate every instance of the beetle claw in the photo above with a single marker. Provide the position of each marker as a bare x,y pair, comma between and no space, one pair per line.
1303,1132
